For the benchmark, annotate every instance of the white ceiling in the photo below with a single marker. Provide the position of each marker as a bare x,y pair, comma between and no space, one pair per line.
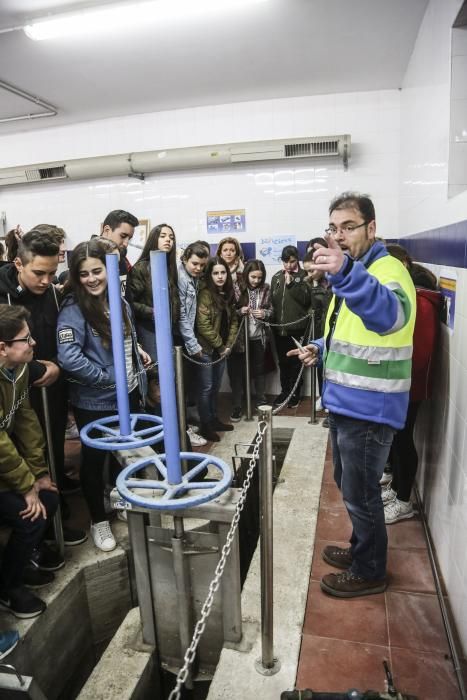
278,48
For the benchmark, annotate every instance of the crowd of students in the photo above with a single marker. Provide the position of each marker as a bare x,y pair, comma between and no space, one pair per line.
55,334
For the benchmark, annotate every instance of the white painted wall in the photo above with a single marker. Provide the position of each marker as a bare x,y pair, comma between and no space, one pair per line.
424,204
281,199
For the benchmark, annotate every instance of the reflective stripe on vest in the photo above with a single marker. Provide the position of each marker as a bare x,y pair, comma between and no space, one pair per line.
363,359
371,354
385,386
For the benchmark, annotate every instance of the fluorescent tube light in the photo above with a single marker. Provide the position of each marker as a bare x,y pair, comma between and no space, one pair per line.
110,19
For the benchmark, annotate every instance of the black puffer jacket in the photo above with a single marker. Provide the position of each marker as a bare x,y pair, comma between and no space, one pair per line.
44,313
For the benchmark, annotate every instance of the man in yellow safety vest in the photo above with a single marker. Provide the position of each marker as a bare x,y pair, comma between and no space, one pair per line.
366,352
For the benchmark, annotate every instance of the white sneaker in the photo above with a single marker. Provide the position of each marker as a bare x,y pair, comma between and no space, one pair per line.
102,536
71,432
397,510
388,494
319,404
197,440
193,428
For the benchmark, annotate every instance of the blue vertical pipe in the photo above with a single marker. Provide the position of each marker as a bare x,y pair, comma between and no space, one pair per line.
161,305
118,347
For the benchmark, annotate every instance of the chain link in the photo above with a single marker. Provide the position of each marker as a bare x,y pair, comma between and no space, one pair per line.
113,386
214,585
14,408
286,401
284,325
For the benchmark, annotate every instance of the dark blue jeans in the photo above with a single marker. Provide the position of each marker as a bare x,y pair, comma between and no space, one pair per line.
25,535
209,383
360,450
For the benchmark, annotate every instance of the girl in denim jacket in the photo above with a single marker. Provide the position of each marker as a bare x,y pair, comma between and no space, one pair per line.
85,353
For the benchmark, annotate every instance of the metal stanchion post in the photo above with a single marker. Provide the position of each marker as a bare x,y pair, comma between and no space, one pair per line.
247,372
313,378
58,527
267,664
313,418
181,403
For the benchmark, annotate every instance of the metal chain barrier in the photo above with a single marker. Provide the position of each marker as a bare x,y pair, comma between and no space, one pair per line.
215,362
14,408
292,392
200,626
113,386
284,325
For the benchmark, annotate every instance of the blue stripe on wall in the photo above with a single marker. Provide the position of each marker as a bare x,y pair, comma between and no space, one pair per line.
446,245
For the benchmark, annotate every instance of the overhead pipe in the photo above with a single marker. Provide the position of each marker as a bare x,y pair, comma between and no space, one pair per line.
51,110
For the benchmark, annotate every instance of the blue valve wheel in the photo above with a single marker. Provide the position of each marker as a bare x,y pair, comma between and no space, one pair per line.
108,432
174,496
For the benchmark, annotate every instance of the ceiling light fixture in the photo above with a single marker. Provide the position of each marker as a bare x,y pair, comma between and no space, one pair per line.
109,19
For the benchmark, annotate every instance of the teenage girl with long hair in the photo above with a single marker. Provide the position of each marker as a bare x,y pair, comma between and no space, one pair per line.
255,305
85,353
216,328
139,288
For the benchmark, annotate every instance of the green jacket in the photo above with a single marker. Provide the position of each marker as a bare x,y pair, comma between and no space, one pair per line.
320,297
139,294
290,302
208,323
22,459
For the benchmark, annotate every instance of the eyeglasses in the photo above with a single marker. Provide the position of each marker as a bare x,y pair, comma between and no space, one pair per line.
27,339
333,230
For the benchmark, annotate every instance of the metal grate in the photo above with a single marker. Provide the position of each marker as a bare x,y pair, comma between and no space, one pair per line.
56,173
316,148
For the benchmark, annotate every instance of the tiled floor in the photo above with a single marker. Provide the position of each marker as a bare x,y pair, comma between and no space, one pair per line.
345,641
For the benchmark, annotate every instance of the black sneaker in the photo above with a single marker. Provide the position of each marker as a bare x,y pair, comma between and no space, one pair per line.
35,578
208,432
337,556
236,415
294,401
280,399
22,603
223,427
73,536
46,558
68,486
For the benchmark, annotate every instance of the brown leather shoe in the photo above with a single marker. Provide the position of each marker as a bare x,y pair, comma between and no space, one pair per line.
349,585
337,556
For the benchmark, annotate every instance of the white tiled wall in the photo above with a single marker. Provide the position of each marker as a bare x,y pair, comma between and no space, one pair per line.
282,199
424,204
288,199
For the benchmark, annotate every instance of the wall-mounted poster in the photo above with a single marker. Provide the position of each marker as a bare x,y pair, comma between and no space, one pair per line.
447,287
225,222
269,248
137,242
141,233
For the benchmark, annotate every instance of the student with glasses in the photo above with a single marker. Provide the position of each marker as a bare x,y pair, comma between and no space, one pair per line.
366,352
28,498
28,281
